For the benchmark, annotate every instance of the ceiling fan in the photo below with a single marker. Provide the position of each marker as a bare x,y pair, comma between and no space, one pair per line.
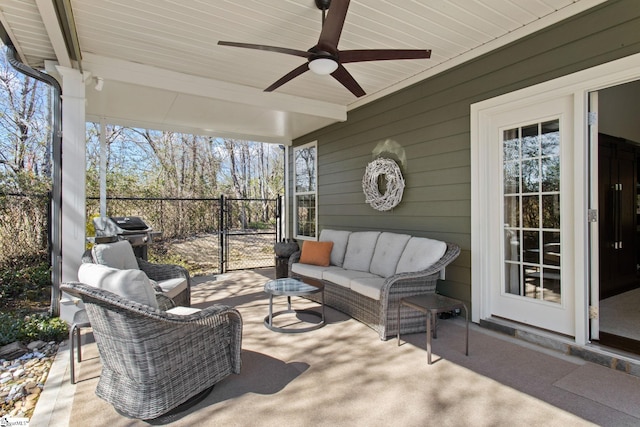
325,58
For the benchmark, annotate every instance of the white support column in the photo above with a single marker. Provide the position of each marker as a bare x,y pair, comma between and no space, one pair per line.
73,176
103,167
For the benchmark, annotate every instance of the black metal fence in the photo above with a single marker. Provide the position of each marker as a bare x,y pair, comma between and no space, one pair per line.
210,235
24,227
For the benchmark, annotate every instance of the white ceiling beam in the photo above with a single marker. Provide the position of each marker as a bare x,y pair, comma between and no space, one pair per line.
52,26
249,136
14,39
129,72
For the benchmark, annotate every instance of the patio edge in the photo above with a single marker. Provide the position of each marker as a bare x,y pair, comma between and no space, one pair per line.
590,353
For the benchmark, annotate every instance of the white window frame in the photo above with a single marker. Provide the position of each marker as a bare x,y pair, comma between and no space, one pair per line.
313,192
578,85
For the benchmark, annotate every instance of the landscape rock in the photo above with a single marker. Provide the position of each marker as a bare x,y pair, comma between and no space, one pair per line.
22,378
35,345
13,350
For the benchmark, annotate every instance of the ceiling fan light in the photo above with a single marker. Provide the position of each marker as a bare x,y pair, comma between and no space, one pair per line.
323,66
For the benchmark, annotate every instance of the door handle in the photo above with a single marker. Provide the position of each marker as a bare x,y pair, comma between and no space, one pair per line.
617,212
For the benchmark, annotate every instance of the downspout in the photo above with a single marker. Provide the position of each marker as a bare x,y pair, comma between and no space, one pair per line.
55,228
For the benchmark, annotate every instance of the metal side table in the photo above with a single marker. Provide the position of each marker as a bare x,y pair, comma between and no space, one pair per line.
80,320
431,305
293,287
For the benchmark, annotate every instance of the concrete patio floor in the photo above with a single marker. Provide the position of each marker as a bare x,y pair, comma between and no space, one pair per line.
342,374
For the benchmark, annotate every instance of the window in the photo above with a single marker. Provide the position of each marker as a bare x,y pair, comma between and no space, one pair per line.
305,188
531,195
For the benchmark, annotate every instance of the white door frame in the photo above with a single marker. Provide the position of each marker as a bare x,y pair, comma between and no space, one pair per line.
577,85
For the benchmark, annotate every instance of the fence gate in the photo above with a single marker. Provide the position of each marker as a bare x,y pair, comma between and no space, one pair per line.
248,230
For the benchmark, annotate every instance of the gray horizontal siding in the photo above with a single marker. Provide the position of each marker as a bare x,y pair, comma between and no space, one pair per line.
430,121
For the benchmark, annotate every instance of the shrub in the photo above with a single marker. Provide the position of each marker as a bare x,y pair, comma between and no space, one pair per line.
31,328
25,279
9,328
43,327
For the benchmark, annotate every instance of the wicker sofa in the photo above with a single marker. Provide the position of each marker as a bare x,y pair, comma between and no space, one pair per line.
370,271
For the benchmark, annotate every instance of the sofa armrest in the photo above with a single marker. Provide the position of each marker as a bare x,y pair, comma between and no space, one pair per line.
164,302
162,271
430,274
295,257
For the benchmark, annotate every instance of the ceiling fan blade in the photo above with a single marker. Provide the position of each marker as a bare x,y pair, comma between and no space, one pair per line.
302,53
332,27
289,76
347,80
347,56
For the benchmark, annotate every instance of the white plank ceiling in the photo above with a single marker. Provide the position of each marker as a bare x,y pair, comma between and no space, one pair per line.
163,69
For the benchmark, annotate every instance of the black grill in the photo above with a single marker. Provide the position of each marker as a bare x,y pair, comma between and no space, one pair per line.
131,228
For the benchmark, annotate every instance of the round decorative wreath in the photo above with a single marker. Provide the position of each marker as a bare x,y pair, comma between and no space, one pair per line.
394,184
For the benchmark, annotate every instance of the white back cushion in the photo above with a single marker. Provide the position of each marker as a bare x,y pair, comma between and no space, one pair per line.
339,239
133,285
360,250
115,255
420,253
389,248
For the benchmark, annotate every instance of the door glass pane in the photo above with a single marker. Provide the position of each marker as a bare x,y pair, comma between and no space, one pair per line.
511,211
531,176
551,248
511,146
551,284
531,246
551,211
530,142
530,212
512,245
512,278
550,173
550,138
531,209
511,177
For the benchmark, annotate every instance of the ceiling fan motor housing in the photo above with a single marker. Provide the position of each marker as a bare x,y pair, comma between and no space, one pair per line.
323,4
317,54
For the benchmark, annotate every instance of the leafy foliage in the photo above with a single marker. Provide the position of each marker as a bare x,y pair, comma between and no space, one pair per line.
23,280
25,292
14,327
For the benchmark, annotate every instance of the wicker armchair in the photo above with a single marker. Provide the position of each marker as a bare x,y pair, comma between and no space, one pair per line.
160,273
153,360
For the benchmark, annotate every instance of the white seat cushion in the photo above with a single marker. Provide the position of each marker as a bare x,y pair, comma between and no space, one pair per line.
115,255
420,253
360,250
131,284
388,250
314,271
172,287
339,239
183,311
369,287
343,277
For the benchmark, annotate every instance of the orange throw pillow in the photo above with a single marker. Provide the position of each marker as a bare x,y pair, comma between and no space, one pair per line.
316,253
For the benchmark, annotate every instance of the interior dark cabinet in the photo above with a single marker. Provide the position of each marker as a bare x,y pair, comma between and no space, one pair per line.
618,224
